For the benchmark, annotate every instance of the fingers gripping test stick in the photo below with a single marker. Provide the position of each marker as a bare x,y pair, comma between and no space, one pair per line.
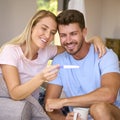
69,66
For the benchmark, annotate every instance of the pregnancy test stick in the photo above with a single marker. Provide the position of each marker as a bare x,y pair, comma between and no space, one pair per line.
69,66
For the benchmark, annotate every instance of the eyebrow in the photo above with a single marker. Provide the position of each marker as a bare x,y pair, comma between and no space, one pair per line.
70,32
45,25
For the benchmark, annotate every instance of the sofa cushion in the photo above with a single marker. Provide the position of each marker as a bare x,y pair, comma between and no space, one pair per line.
14,110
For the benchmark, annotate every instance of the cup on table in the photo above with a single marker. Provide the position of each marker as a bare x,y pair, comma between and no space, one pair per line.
82,111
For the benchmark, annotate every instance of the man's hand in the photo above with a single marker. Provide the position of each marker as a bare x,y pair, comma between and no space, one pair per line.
71,115
52,104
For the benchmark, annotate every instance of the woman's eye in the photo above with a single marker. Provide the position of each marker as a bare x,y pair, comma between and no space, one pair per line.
53,33
44,28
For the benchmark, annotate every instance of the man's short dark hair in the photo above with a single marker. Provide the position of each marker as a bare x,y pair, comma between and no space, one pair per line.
71,16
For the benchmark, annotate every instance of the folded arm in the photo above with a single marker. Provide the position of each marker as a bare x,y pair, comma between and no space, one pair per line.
110,85
53,92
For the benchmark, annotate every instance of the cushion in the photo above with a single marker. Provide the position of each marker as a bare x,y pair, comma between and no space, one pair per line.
14,110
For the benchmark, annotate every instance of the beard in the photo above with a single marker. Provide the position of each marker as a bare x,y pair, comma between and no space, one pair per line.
77,46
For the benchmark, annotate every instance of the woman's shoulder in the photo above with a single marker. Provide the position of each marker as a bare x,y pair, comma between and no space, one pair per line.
11,49
11,46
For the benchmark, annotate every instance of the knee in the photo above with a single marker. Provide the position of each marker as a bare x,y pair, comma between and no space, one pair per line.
99,109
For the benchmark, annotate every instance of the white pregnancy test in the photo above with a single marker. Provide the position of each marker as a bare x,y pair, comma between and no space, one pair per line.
69,66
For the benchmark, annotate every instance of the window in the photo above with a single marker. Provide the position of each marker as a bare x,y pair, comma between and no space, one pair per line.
51,5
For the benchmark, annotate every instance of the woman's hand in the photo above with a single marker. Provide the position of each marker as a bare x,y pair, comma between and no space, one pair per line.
50,72
99,45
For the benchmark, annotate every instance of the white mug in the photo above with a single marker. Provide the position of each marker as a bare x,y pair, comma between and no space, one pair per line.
82,111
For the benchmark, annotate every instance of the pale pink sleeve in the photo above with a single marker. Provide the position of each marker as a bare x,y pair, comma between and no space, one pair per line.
8,56
52,51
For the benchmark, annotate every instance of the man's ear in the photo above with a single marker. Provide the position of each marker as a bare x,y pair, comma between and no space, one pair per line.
85,32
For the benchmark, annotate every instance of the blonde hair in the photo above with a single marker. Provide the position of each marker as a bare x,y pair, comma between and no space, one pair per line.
25,36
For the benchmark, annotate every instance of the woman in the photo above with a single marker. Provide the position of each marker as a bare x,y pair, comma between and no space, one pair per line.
23,60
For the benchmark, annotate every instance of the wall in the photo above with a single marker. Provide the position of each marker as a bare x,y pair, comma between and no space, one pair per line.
14,15
102,17
111,19
93,17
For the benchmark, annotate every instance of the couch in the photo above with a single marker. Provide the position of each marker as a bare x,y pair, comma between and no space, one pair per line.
28,109
14,110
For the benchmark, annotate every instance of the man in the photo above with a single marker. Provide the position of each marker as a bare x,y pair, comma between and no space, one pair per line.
96,81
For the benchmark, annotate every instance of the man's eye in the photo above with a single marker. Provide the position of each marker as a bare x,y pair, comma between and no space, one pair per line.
74,33
62,36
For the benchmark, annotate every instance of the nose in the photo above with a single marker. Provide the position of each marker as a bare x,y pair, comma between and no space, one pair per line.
68,39
47,34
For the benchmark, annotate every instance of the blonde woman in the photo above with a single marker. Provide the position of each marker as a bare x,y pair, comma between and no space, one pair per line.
23,60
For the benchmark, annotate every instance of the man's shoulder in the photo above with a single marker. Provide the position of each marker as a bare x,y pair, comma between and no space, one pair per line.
62,58
62,55
110,53
110,60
